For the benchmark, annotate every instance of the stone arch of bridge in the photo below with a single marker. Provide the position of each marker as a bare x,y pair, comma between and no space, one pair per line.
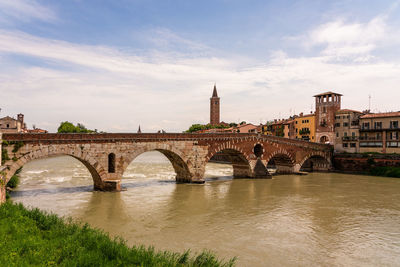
235,156
176,158
315,162
281,160
91,164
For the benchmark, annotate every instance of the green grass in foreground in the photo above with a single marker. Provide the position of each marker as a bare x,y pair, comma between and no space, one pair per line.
32,237
385,171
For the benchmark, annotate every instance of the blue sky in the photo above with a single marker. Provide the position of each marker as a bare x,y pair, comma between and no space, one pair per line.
113,65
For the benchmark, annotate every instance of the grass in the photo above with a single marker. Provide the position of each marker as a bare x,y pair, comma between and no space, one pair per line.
35,238
385,171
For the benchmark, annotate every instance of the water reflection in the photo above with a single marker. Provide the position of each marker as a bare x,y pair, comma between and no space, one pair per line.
317,219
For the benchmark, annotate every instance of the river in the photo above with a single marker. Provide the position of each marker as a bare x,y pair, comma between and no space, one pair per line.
320,219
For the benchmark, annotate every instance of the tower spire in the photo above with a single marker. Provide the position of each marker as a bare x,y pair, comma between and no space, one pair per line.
215,91
139,131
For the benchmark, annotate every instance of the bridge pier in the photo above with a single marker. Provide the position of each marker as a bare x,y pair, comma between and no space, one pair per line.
260,171
109,186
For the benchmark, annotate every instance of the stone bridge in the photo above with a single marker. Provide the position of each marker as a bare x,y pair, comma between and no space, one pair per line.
107,156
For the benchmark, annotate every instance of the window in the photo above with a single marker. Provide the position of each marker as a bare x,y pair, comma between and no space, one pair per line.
348,116
345,134
365,125
337,124
345,124
378,125
352,144
337,134
8,125
378,136
394,124
393,136
324,110
345,145
111,163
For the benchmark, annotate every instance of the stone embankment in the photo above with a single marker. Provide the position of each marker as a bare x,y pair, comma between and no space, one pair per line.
363,162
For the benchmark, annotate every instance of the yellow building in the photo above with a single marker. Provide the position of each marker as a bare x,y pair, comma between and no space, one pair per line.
305,127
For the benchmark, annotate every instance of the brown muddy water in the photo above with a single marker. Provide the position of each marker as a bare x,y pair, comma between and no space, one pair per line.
321,219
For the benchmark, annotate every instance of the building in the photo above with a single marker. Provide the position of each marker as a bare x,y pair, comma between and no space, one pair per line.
214,107
326,106
305,127
282,128
245,128
36,130
11,125
289,128
347,129
276,128
380,132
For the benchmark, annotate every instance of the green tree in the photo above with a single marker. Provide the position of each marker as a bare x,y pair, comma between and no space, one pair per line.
195,128
198,127
66,127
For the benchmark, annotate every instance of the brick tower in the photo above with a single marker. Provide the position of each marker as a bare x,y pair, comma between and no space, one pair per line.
214,107
326,105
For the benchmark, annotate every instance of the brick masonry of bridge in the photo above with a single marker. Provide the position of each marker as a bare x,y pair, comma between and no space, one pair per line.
107,156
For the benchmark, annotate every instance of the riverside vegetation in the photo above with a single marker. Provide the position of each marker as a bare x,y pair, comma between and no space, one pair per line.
33,237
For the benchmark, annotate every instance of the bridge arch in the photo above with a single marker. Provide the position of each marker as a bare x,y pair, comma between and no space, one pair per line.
281,160
175,157
92,165
315,162
235,156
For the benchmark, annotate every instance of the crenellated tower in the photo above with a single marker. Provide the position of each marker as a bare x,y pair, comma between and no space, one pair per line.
326,105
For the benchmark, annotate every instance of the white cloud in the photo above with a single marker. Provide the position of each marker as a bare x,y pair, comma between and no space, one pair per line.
114,90
343,40
25,10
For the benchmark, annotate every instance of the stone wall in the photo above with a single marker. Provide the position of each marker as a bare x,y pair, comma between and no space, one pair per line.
361,163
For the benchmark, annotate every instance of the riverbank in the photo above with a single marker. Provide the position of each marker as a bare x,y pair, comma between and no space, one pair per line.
32,237
376,164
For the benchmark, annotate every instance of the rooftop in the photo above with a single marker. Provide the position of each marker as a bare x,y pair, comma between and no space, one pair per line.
348,110
381,115
305,115
328,93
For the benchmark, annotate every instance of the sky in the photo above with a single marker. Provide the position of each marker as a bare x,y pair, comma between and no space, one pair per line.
114,65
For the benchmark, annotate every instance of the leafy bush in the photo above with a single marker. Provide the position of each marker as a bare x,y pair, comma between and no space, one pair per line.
14,181
385,171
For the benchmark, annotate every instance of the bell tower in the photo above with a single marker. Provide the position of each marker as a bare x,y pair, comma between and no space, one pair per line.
214,107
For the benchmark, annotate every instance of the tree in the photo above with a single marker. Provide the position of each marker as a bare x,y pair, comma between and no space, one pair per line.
68,127
198,127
